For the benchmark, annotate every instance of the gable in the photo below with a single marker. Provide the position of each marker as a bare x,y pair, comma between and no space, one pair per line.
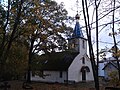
110,65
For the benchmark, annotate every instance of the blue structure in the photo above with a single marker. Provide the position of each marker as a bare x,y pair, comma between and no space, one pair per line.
77,33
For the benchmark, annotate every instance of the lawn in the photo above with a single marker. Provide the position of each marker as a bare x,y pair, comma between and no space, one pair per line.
17,85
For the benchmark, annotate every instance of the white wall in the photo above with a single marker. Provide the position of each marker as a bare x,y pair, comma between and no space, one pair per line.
81,49
101,72
89,74
54,76
74,71
108,69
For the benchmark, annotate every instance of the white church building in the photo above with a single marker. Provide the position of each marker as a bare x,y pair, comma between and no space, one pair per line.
72,65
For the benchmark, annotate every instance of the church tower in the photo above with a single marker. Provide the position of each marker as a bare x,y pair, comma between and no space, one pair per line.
77,42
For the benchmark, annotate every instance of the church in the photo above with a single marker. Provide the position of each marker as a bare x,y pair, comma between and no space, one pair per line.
68,66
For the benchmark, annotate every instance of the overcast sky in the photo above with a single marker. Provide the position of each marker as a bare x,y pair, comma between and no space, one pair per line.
106,40
71,7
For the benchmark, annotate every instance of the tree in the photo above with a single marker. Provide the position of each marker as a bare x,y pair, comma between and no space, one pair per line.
40,24
105,16
36,22
88,31
9,30
114,79
16,64
47,26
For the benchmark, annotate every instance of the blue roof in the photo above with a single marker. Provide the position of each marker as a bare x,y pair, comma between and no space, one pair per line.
77,33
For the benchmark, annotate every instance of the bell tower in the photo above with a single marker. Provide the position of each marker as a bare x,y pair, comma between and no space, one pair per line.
77,42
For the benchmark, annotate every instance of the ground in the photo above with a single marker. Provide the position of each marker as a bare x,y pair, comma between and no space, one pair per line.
17,85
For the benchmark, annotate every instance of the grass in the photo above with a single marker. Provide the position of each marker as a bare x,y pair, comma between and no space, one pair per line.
17,85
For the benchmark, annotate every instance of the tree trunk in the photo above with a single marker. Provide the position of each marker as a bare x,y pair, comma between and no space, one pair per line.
29,61
88,31
97,47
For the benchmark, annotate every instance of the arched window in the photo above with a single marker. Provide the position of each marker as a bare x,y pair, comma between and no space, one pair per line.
83,60
86,68
61,74
83,44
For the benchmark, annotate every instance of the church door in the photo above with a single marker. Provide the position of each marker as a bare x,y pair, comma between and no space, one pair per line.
83,75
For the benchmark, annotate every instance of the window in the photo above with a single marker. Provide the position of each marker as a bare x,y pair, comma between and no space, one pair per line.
60,74
83,60
73,45
33,73
83,44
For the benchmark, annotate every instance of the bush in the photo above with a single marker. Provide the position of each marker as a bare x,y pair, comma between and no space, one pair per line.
114,80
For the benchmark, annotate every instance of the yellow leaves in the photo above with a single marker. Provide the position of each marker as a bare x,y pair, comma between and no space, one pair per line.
117,54
115,33
29,29
1,30
13,10
102,55
114,52
43,37
114,78
18,58
36,2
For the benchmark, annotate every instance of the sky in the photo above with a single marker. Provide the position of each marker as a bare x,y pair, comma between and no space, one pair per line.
70,5
104,38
